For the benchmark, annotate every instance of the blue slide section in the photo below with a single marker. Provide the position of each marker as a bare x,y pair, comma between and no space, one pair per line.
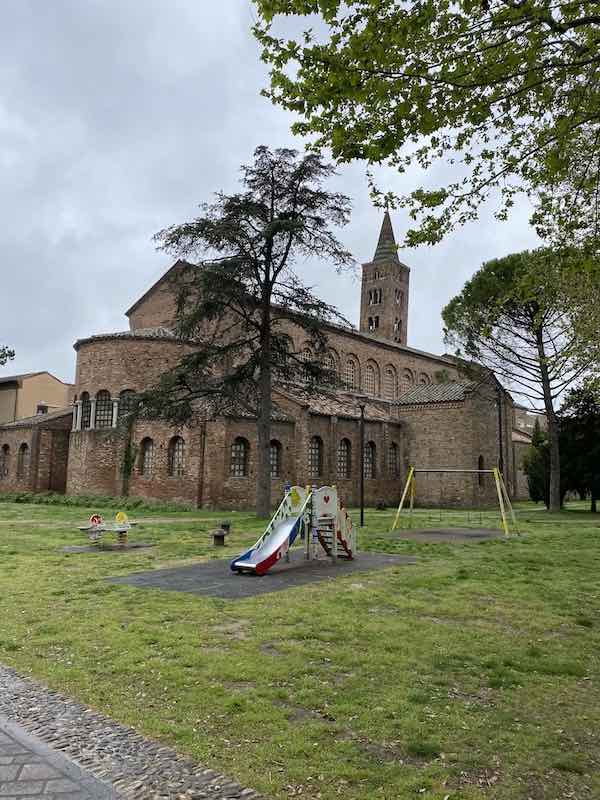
265,553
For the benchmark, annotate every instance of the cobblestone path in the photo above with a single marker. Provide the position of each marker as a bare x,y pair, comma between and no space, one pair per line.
53,748
29,769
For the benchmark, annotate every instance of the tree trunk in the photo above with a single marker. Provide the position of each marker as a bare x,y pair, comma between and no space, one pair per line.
263,477
593,508
554,503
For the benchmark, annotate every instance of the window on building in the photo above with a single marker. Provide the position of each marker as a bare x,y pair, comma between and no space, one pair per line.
398,297
104,409
370,460
147,457
393,460
86,410
390,383
397,329
371,379
351,374
344,459
126,402
176,457
375,323
42,408
408,377
315,457
424,379
239,458
275,458
371,324
330,363
4,461
22,460
480,476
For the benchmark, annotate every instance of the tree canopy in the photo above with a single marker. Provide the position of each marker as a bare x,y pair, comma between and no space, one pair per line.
505,91
580,444
510,317
5,355
236,305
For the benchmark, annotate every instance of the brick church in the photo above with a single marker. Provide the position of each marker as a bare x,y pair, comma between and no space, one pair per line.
418,410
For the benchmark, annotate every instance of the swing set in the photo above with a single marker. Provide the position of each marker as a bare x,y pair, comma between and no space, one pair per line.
407,501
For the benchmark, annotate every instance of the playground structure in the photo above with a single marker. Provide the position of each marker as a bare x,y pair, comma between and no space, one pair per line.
97,527
407,500
316,517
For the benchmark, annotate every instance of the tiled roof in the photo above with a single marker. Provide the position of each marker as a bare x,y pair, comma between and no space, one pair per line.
338,404
15,378
521,436
437,393
140,333
38,419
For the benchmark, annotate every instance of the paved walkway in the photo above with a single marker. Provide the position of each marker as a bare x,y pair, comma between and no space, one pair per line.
30,769
53,748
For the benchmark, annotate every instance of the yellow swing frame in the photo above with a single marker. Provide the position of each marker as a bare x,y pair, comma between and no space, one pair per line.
504,503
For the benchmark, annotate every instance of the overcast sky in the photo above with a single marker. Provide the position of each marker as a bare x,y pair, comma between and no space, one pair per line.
117,119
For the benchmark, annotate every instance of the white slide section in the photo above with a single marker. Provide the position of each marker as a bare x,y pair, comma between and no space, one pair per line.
269,549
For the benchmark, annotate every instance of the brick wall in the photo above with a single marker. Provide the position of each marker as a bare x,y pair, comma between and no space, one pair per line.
95,459
411,366
117,363
47,441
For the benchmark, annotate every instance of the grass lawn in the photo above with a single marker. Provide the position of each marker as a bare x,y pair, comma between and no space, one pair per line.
472,674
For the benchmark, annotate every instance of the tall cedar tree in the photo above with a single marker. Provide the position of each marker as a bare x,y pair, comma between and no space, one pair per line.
507,91
580,444
510,317
232,305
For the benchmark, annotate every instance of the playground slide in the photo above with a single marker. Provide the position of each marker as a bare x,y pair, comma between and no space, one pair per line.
269,549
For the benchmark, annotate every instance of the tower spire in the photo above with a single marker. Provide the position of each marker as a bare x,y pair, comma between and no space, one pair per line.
386,249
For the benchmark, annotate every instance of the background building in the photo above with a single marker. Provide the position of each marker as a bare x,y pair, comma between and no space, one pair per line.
418,407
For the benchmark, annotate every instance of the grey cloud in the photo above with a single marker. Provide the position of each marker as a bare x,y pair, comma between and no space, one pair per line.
116,119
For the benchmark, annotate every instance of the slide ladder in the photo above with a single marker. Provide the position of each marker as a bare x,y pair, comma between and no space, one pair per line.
332,524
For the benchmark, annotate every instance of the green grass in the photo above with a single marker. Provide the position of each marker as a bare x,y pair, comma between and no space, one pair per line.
472,674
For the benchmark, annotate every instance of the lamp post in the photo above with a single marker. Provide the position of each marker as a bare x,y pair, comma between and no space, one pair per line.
361,405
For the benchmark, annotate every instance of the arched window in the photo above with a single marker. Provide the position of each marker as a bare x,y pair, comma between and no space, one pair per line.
480,476
393,460
344,459
397,329
4,461
239,458
176,457
372,379
351,373
390,383
147,457
126,402
22,461
315,457
424,379
408,377
330,362
370,460
104,410
275,458
86,410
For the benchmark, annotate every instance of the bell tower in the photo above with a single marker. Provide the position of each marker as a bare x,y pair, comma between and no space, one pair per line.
384,292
